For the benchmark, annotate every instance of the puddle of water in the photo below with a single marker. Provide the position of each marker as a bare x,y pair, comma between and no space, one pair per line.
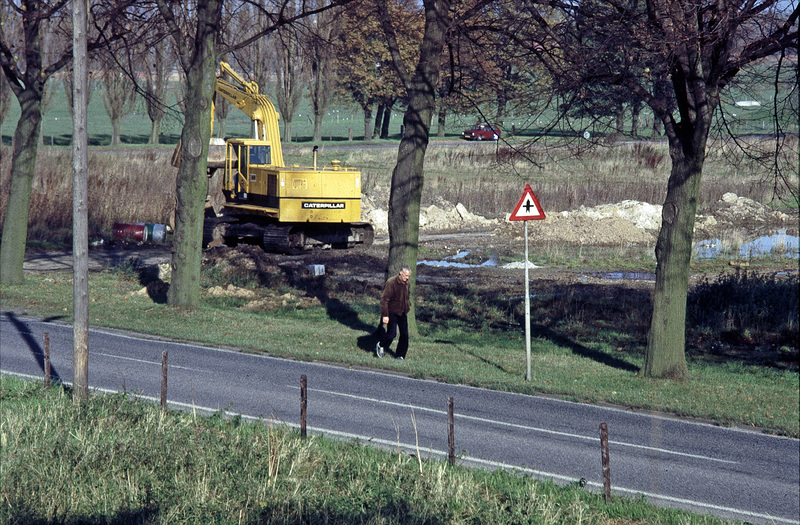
492,262
628,276
450,262
778,244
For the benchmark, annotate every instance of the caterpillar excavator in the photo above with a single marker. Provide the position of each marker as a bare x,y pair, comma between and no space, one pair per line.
281,208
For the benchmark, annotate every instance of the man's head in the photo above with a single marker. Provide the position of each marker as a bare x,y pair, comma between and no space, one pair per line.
405,273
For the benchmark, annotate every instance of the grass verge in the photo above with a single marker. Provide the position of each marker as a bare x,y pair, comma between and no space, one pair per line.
117,460
587,339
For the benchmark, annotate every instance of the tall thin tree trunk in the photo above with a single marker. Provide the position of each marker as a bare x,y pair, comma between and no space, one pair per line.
636,110
376,130
80,208
155,132
115,131
367,124
442,121
318,127
665,355
287,131
387,118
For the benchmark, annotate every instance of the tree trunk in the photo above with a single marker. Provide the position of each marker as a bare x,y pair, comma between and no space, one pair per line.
287,130
665,356
115,131
636,110
367,124
442,121
376,129
155,132
318,127
387,119
23,167
192,180
408,175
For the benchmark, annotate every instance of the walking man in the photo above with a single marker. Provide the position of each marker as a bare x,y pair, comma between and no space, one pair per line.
395,305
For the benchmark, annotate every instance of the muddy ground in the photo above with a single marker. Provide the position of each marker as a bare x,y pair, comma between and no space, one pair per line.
458,246
478,260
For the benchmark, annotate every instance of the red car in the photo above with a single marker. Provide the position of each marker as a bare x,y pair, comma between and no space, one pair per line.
482,132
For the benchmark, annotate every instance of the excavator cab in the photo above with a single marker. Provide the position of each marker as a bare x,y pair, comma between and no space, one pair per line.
252,181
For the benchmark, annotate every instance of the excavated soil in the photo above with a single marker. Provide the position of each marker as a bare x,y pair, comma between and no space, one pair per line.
458,245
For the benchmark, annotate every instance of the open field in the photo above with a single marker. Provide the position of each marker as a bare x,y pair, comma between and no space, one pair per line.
346,119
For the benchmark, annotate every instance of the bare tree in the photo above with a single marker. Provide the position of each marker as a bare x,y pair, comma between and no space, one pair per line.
118,98
157,61
290,70
322,31
408,174
27,70
676,56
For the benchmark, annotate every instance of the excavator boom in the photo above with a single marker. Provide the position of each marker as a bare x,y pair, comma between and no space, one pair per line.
245,96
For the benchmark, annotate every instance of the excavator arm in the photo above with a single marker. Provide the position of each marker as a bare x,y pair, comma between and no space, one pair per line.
245,96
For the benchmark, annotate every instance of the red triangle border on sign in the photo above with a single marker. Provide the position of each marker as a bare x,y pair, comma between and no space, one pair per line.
515,216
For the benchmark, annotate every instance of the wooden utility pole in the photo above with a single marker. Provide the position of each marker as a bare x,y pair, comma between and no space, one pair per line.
80,213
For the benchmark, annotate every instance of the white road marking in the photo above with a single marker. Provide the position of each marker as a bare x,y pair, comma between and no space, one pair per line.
526,427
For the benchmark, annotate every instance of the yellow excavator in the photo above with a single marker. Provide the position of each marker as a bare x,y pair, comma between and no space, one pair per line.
281,208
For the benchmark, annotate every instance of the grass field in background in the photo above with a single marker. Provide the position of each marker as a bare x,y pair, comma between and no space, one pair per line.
347,119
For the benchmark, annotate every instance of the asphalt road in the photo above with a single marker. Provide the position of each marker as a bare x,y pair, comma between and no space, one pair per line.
732,473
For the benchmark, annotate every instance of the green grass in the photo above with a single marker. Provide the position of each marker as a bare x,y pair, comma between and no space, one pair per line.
587,340
345,118
117,460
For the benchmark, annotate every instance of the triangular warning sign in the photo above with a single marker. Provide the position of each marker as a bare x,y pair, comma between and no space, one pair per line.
528,207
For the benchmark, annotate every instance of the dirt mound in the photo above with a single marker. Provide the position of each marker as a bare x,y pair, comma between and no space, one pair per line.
623,223
231,291
748,218
580,229
441,216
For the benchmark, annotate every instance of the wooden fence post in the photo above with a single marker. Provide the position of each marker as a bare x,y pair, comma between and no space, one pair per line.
606,461
451,438
164,380
46,345
303,405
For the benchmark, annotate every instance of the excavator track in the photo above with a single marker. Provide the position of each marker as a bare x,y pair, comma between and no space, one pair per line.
277,238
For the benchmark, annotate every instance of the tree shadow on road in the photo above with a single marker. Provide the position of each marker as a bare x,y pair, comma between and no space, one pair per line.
26,333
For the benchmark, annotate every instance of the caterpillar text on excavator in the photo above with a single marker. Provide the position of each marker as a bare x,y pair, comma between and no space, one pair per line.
268,203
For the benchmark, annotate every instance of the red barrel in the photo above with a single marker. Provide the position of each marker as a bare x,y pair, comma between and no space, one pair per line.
130,232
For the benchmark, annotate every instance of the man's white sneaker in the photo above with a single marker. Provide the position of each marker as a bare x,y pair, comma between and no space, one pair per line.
379,350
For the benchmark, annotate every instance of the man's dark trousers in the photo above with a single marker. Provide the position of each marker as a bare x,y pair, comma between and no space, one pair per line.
396,323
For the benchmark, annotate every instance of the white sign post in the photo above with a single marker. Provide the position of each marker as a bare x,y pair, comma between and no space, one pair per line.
528,208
